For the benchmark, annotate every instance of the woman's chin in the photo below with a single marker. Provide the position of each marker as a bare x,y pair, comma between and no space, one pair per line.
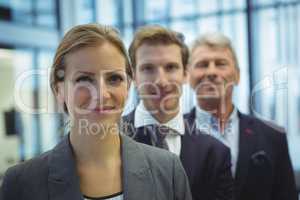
95,126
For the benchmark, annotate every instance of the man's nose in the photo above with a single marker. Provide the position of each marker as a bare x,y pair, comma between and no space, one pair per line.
211,71
162,77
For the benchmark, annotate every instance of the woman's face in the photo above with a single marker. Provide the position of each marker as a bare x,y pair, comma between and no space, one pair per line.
96,85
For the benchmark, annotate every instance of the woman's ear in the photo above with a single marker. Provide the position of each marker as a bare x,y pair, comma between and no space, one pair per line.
60,94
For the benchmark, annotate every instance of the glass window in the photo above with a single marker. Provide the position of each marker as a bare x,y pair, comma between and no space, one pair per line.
107,12
46,13
156,10
293,101
87,12
204,7
127,7
23,60
127,36
4,3
208,24
183,8
266,61
263,2
22,11
287,1
233,4
48,116
29,12
188,28
26,79
9,144
234,26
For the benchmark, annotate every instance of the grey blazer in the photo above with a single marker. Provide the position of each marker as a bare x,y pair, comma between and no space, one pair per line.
148,173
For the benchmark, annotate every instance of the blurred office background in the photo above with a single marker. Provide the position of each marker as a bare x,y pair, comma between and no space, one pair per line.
265,34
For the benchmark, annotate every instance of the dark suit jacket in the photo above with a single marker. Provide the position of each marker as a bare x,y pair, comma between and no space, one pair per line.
148,173
205,160
264,170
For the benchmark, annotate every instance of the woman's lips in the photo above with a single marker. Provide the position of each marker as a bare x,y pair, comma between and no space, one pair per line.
105,109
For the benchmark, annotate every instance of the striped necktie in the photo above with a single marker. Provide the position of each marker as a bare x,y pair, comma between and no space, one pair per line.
159,134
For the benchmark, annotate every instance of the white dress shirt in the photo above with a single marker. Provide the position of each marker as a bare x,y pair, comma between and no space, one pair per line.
143,117
208,124
111,197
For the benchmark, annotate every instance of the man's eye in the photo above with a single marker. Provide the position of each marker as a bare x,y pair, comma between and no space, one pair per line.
201,65
171,67
148,68
84,79
115,79
221,63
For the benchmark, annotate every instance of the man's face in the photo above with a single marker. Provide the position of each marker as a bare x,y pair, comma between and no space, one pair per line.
213,73
159,76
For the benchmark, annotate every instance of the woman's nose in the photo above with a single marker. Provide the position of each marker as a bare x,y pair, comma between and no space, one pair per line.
103,90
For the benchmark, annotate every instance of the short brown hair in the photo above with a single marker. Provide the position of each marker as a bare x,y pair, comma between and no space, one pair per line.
87,35
155,34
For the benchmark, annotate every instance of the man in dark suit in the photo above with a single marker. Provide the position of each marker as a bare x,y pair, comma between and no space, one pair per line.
260,160
159,58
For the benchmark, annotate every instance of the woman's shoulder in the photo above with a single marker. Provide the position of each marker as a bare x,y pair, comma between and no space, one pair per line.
38,167
30,168
32,173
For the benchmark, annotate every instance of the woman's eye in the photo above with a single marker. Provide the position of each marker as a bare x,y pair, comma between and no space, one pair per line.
115,79
84,79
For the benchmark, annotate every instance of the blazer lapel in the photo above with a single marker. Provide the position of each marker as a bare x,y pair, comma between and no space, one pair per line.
190,123
63,181
248,142
188,149
137,177
191,144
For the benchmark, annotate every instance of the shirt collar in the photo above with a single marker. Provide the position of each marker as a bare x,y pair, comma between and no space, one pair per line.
143,117
205,118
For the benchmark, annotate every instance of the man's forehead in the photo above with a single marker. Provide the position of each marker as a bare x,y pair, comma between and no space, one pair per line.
148,52
205,51
155,46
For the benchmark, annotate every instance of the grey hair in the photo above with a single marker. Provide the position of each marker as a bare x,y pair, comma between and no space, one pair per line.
215,40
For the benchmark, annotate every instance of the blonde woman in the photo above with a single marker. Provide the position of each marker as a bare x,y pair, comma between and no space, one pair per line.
90,78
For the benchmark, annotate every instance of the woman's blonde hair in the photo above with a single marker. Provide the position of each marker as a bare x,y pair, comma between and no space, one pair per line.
87,35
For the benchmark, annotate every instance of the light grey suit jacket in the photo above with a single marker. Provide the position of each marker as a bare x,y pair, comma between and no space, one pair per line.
148,173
